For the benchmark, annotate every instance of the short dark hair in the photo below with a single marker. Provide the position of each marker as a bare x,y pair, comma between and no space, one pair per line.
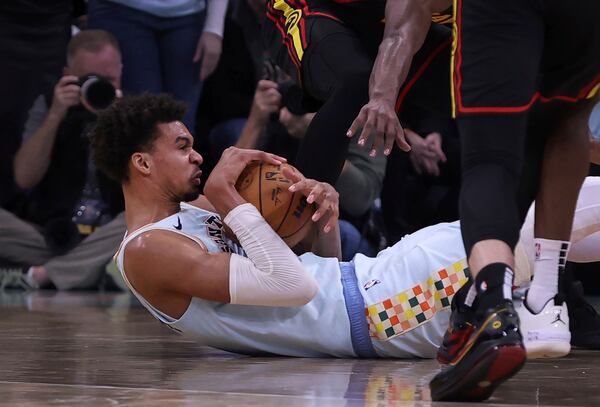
129,126
91,40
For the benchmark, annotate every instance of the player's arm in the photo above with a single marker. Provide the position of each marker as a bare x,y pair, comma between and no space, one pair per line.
406,25
327,244
271,268
169,269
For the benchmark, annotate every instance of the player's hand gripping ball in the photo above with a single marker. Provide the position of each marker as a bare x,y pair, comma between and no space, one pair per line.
266,187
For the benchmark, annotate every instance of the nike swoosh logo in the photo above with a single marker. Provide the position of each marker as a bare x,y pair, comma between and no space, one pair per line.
178,225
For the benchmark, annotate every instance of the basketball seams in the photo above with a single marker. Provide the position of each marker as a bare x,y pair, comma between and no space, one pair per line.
269,195
286,212
308,218
260,175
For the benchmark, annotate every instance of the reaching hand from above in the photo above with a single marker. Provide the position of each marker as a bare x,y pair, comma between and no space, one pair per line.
378,119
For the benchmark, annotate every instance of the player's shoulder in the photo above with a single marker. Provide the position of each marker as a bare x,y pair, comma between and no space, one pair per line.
156,250
160,242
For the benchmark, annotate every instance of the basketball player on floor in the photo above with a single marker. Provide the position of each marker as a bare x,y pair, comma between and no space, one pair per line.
517,65
258,296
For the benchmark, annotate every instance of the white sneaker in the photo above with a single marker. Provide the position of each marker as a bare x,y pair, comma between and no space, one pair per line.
546,335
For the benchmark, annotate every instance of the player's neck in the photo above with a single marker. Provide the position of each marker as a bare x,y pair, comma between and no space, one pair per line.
144,206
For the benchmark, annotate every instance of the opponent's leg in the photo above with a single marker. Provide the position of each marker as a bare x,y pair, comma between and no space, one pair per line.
494,85
568,74
566,163
336,70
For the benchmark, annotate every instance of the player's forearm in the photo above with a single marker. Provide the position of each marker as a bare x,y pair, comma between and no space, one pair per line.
407,24
327,244
223,196
33,158
272,274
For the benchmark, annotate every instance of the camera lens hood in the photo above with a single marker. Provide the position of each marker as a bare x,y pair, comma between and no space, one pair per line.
97,91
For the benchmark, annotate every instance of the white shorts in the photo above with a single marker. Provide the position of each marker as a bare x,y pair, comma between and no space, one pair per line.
407,290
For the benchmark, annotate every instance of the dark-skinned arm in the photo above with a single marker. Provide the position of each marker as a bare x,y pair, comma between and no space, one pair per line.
406,25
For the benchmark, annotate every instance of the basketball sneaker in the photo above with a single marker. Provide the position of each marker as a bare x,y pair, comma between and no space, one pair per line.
459,330
492,354
546,334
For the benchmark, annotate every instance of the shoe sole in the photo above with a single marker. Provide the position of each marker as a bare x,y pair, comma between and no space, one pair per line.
495,365
547,349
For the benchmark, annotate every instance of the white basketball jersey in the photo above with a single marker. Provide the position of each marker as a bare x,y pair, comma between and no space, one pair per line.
404,292
320,328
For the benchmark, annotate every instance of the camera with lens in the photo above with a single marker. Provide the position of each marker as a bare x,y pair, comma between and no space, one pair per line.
291,94
96,91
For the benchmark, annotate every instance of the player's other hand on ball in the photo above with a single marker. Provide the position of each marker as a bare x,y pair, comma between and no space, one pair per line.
321,193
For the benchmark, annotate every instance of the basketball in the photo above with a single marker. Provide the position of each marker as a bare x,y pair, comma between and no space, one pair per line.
288,213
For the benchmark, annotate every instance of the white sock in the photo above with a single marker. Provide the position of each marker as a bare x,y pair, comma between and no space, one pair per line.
550,260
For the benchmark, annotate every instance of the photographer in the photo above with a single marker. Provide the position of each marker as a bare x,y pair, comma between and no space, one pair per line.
68,229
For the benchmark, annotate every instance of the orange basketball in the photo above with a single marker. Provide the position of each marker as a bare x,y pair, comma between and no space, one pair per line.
288,213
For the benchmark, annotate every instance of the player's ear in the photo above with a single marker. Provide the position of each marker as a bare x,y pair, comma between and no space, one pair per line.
141,162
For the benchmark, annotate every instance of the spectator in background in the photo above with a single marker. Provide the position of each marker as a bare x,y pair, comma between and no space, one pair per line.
33,39
70,226
277,124
167,46
421,188
227,95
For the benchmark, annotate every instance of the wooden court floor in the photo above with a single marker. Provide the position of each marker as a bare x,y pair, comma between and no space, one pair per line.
90,349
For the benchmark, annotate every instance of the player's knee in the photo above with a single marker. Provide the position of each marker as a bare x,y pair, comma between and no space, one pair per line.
486,213
506,162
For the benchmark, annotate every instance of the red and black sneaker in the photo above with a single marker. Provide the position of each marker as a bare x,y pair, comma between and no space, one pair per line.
459,330
492,354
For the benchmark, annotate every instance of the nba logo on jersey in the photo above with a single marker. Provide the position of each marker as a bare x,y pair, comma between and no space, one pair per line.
371,283
538,251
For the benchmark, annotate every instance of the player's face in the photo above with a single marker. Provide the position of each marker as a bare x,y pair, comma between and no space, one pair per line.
176,163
